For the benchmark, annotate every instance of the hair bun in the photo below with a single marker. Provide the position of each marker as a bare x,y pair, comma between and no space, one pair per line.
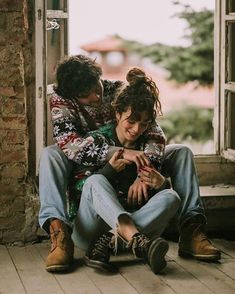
135,75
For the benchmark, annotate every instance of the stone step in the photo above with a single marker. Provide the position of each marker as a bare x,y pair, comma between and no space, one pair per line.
219,204
218,196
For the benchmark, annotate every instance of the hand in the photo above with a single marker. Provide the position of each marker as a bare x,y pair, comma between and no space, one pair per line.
136,156
118,162
151,177
138,193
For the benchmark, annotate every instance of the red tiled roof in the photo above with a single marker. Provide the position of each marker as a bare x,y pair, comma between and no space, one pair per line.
109,43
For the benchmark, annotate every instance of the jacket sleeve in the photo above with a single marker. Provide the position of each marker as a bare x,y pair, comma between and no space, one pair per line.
69,133
154,146
108,171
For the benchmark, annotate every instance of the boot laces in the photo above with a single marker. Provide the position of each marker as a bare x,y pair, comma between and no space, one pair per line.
139,245
142,241
102,246
56,239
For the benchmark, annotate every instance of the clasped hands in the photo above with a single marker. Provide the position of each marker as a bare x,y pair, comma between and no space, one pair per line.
148,176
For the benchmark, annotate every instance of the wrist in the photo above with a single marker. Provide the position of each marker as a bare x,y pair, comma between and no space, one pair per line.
164,185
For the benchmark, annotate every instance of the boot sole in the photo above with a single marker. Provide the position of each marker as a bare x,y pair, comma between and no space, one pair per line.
58,268
199,256
99,265
156,255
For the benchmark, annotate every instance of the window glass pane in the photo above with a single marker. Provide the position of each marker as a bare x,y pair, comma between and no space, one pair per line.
55,4
231,120
230,6
230,38
53,52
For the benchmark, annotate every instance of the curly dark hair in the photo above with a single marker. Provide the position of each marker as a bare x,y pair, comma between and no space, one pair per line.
77,76
141,94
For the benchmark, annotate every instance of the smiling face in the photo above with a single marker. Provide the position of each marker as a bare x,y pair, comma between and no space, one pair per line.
129,128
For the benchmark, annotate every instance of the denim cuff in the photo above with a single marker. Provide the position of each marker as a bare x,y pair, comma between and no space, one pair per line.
193,217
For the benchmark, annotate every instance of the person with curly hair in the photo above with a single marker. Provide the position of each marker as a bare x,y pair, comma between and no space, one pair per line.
107,202
81,103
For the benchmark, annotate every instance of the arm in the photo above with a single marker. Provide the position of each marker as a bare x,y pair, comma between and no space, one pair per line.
153,146
155,142
69,128
116,164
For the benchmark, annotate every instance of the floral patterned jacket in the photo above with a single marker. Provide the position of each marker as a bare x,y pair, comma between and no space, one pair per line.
72,121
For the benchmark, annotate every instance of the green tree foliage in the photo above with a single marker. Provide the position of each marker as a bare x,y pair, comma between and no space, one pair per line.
191,63
187,124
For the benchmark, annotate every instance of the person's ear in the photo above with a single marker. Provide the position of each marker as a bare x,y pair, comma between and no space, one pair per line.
118,116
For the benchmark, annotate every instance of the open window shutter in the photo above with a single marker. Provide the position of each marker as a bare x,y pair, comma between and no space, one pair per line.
51,38
226,66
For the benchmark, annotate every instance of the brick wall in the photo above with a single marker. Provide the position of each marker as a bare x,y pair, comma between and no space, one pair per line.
18,201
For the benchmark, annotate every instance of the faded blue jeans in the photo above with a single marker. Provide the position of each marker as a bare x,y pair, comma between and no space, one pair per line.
55,169
99,211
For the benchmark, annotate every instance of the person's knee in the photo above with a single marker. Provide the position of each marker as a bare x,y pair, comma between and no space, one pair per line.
93,180
53,156
51,152
173,199
184,151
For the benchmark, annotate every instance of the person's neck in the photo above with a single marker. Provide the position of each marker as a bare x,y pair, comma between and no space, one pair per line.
125,143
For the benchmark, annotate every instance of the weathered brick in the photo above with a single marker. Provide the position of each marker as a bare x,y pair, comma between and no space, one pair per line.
9,146
16,171
10,191
19,204
11,5
11,66
13,107
13,156
14,31
12,236
7,91
13,123
6,209
12,136
18,221
3,21
20,92
14,222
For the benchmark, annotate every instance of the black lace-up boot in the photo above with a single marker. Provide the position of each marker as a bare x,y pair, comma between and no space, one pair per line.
98,253
153,251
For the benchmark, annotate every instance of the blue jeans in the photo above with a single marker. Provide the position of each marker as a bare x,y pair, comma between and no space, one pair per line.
178,164
54,171
55,168
99,211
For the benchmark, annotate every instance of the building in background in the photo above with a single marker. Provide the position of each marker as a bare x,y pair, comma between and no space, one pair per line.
116,60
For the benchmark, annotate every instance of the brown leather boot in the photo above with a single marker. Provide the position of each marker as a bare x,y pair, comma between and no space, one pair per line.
193,242
62,248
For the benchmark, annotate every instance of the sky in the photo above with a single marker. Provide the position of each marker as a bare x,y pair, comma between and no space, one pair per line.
147,21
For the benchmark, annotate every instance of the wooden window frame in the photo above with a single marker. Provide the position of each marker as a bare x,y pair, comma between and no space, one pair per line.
205,163
224,86
43,89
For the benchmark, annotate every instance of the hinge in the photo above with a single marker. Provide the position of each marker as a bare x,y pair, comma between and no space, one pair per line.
39,92
39,14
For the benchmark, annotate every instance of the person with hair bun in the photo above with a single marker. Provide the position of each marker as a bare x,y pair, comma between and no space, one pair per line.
108,206
83,102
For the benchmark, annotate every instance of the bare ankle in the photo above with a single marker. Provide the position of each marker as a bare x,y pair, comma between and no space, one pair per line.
126,227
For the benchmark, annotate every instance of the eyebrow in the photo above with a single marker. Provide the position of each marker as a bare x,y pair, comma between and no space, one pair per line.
145,121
